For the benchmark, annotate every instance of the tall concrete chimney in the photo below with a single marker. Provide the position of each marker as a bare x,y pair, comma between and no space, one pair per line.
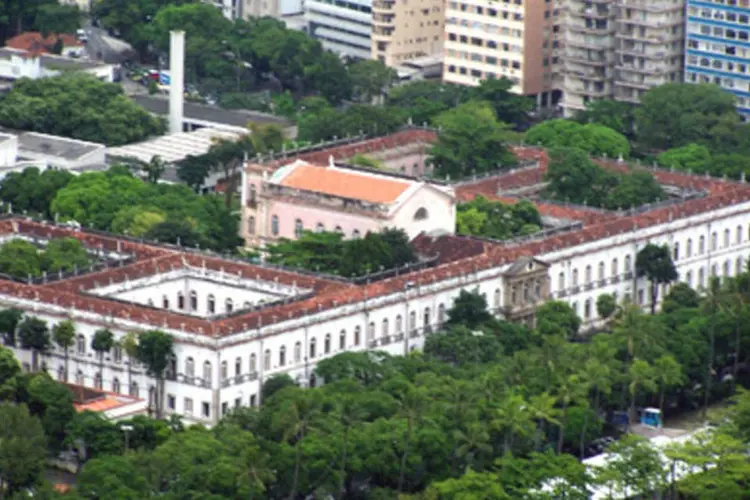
177,80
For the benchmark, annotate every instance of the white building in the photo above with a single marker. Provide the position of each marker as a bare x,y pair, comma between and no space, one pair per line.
235,324
343,26
15,64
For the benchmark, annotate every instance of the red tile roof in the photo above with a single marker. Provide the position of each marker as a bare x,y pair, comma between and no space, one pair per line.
34,42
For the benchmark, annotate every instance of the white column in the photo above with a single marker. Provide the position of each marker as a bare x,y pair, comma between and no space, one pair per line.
177,80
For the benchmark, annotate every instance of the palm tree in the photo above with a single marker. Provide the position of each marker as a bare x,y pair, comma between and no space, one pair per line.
668,374
102,342
544,411
129,344
512,418
34,335
472,443
737,291
64,335
641,376
412,408
296,420
711,304
348,413
570,389
155,352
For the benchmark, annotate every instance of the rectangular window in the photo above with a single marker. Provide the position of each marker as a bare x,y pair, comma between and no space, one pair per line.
206,409
188,406
171,401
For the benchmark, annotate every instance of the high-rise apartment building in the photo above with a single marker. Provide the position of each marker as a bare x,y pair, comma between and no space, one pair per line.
517,39
718,47
342,26
404,30
618,49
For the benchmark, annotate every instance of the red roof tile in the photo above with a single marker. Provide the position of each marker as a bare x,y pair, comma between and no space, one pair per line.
34,42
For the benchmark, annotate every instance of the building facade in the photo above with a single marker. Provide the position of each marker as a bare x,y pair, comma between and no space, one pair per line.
718,47
517,39
402,31
307,197
342,26
618,49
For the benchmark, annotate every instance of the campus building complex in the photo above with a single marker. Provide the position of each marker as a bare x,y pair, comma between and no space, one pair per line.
718,47
235,324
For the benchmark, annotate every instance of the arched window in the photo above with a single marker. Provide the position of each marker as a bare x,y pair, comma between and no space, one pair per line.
575,307
738,266
211,304
224,374
228,305
342,340
193,301
702,245
689,278
575,277
615,267
588,274
701,277
497,297
727,268
251,225
297,352
80,379
180,301
61,373
253,193
421,214
327,344
413,321
627,264
426,317
357,335
165,302
253,363
715,270
385,331
319,227
371,331
189,367
399,324
587,309
282,356
676,251
312,348
116,385
726,237
561,281
689,249
267,360
134,391
237,366
339,230
441,315
275,225
298,228
600,276
81,345
207,375
355,234
714,240
739,234
246,305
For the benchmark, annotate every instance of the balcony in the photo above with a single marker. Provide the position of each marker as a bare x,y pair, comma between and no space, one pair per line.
589,286
398,337
386,5
383,20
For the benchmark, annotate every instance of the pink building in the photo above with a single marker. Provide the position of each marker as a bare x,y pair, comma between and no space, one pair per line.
283,202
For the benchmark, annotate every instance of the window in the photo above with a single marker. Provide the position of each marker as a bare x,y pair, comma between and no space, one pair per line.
701,277
188,406
134,391
206,409
497,297
253,194
615,268
81,345
413,321
228,305
327,343
251,225
714,240
117,353
738,266
702,245
267,360
193,301
726,238
575,277
237,366
319,227
739,234
224,370
384,332
421,214
189,367
627,263
211,303
399,323
587,309
207,375
253,363
357,335
116,385
180,301
588,274
282,356
355,234
98,380
339,230
165,302
297,352
561,281
676,251
600,276
727,268
689,249
275,225
171,401
342,340
441,315
371,331
312,348
298,228
689,278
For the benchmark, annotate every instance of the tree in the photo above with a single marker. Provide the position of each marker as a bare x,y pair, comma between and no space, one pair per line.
137,220
20,259
52,403
497,220
557,317
227,157
635,468
693,158
711,306
668,374
680,296
34,335
573,177
102,342
596,140
152,170
9,319
112,476
80,106
10,370
411,409
32,191
65,254
655,264
155,352
94,436
641,376
57,18
509,107
470,141
677,114
513,418
485,485
616,115
275,383
371,79
193,171
22,448
64,335
424,100
179,233
469,309
129,344
606,305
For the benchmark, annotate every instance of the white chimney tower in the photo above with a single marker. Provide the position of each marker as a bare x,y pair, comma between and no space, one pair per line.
177,80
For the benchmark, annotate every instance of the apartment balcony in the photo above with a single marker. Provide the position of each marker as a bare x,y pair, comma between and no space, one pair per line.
383,5
649,5
383,20
645,52
604,31
582,43
634,83
648,69
571,61
593,13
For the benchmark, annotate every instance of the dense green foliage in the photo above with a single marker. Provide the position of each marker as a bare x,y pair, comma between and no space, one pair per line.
329,252
616,115
77,105
21,259
573,177
46,16
596,140
497,220
31,191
